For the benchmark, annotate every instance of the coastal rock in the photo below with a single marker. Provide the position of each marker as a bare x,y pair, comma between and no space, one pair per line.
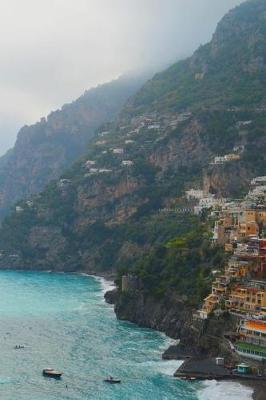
176,352
111,296
173,316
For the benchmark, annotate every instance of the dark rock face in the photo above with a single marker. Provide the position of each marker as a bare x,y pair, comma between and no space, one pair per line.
111,297
174,317
168,315
177,353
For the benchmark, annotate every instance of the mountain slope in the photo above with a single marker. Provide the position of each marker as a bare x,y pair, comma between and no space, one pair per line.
228,71
124,198
42,151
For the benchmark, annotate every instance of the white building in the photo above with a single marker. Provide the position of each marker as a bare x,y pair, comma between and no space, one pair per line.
219,160
239,148
127,163
89,163
208,202
118,151
194,194
243,123
154,127
63,183
260,180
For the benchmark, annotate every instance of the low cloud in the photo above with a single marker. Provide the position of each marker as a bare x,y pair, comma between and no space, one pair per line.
52,50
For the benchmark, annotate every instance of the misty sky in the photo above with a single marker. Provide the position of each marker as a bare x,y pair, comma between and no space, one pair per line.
52,50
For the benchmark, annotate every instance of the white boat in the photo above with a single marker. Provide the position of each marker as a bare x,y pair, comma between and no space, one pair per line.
52,373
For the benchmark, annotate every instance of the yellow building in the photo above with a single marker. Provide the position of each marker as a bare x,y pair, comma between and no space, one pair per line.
249,228
246,299
228,247
238,268
261,217
210,303
258,216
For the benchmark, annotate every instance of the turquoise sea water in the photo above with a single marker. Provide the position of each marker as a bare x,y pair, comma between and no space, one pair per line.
64,323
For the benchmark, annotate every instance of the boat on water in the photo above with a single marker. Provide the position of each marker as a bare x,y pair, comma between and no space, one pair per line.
52,373
112,380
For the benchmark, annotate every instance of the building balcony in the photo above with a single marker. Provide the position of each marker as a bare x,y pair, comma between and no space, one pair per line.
252,339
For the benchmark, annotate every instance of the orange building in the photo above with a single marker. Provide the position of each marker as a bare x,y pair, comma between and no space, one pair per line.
253,331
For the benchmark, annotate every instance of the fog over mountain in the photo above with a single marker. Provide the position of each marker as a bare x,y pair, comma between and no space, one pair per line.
51,51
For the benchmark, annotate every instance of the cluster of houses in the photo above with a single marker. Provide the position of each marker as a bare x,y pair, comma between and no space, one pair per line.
240,288
204,200
157,122
153,122
219,160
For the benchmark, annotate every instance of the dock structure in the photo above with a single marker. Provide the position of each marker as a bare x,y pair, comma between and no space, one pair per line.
202,369
207,369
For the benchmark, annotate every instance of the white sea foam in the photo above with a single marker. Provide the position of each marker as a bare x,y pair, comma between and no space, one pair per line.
168,367
167,342
163,367
107,285
213,390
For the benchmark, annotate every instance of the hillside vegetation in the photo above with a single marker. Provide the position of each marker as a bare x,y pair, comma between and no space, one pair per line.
44,150
121,206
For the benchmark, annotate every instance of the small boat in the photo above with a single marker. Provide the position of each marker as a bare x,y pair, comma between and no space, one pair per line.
18,347
51,373
112,380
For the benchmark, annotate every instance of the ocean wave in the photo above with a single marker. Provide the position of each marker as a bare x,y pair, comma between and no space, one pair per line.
106,284
167,342
167,367
213,390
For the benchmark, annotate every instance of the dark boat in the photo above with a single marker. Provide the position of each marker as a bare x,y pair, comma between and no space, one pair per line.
112,380
51,373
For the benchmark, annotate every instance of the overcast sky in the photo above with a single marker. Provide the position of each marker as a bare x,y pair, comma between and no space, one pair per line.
52,50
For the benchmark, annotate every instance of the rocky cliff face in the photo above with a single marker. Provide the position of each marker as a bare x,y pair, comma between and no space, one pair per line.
44,150
172,315
112,206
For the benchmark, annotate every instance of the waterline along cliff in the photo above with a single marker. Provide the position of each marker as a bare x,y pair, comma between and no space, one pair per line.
162,196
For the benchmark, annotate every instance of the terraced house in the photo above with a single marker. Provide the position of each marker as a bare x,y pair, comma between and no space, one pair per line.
252,339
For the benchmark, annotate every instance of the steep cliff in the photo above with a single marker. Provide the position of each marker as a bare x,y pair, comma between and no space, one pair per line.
227,72
123,199
44,150
172,315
